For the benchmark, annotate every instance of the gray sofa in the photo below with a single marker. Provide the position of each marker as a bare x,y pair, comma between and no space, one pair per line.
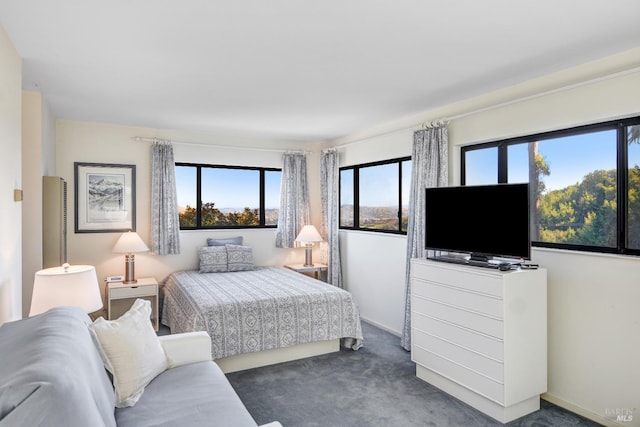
51,374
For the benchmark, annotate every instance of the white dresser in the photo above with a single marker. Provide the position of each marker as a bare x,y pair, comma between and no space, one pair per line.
481,335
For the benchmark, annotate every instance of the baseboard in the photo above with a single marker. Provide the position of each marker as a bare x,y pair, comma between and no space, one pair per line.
580,411
379,326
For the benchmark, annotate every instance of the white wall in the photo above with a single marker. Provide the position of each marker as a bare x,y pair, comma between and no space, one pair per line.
593,344
373,269
32,156
104,143
38,160
593,310
10,179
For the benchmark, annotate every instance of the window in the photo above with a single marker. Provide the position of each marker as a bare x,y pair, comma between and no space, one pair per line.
482,166
585,183
375,196
271,196
633,190
211,196
347,187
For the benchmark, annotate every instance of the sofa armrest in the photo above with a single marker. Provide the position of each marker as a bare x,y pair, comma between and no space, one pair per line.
186,348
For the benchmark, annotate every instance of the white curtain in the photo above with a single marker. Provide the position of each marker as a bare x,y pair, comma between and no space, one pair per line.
429,169
165,225
329,193
294,199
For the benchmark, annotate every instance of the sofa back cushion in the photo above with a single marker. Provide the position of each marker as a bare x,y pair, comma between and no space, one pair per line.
52,374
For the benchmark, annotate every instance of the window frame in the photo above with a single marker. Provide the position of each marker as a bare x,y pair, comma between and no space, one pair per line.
356,195
620,126
261,208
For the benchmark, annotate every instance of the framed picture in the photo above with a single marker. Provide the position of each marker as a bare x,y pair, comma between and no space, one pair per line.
105,198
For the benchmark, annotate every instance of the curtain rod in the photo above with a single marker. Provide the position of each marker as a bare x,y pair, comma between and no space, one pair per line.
447,119
227,147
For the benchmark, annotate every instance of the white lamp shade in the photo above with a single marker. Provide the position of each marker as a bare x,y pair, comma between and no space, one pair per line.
309,234
128,243
75,286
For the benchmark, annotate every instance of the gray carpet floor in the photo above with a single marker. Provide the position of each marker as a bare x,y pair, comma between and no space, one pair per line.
374,386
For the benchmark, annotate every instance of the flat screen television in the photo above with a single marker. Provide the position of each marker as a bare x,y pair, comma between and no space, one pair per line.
483,221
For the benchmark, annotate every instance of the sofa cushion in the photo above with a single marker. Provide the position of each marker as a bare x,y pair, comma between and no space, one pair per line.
51,373
190,395
131,351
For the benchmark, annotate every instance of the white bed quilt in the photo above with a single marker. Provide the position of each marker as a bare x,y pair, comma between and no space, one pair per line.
261,309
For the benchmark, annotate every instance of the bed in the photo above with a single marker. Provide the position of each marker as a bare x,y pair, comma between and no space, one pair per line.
268,314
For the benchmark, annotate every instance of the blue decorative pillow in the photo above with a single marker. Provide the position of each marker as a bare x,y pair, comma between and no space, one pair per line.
239,258
222,242
213,259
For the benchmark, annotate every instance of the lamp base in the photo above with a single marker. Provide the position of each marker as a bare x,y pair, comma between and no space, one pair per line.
129,269
307,256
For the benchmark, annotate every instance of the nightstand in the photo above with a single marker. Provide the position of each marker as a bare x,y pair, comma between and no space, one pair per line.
121,296
315,269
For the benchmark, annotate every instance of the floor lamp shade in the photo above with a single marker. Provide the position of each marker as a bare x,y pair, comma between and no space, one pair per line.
69,285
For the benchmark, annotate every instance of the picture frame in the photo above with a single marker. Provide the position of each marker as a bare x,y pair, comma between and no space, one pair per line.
105,197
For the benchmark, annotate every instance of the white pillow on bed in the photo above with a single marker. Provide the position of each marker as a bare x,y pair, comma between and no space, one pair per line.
239,258
131,351
213,259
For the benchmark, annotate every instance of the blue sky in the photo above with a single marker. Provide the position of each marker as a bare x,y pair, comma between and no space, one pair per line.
569,159
228,188
378,185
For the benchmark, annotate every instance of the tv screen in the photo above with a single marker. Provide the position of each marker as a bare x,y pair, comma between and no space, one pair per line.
484,220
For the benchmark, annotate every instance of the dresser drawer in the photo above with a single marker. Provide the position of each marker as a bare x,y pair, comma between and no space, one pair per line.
472,380
459,316
459,355
471,278
131,291
474,301
484,344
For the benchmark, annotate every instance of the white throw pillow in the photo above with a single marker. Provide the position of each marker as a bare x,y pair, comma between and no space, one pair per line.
131,351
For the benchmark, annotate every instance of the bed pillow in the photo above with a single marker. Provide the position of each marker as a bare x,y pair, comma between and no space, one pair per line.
213,259
222,242
131,351
239,258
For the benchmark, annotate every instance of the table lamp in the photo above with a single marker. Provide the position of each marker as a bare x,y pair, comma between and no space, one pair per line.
127,244
68,285
307,236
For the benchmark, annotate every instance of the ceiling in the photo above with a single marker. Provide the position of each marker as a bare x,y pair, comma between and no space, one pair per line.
296,70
